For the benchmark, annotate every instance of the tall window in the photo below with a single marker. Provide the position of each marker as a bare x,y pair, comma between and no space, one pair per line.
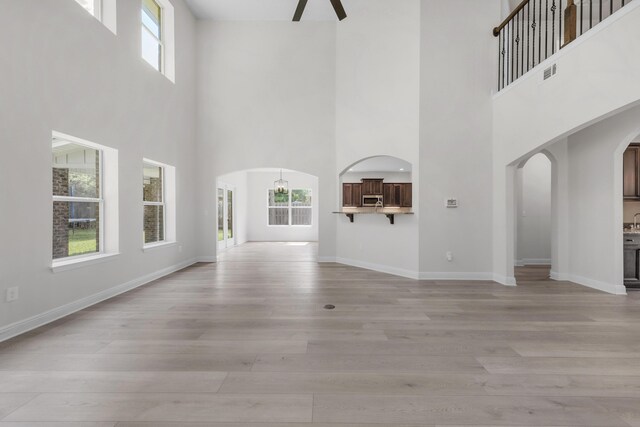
153,34
292,208
77,199
154,203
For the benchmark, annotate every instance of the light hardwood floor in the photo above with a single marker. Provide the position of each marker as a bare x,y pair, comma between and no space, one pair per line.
246,342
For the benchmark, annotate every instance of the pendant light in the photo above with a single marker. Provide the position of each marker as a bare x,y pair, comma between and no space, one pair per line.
281,186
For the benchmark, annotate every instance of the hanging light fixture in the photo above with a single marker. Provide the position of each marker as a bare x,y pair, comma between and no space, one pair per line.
281,186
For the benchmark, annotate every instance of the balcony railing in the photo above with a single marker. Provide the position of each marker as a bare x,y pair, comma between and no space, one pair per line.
536,29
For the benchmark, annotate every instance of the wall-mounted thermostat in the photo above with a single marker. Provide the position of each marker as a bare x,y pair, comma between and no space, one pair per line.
451,202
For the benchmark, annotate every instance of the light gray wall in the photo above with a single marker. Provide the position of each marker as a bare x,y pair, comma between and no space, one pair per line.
266,96
377,103
534,212
63,70
457,76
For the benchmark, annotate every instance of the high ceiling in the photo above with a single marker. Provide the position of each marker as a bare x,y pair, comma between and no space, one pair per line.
262,10
279,10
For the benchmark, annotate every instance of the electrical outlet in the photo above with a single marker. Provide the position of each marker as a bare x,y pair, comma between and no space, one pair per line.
12,294
449,256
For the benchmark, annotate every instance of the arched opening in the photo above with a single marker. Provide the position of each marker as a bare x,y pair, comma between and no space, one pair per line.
630,153
533,219
253,207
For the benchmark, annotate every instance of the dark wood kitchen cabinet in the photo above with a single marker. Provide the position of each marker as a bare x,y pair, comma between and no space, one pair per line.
352,195
631,173
398,195
372,187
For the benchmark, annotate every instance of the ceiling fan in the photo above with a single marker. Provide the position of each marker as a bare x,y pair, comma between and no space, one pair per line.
337,6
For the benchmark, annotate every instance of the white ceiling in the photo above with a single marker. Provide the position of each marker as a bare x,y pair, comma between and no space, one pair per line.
262,10
278,10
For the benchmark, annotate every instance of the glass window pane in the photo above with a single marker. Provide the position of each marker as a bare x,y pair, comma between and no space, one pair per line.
151,17
76,170
300,216
278,216
151,50
153,223
300,197
278,199
220,214
76,228
152,183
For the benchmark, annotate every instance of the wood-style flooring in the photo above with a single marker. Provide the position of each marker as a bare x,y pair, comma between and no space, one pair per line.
247,342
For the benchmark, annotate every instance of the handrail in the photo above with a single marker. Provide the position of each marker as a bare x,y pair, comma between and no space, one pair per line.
496,30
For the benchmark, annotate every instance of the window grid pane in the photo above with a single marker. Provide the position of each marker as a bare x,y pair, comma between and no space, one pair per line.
301,216
153,183
278,216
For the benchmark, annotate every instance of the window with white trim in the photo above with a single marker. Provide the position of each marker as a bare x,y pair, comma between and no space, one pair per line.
153,184
290,208
78,203
94,7
103,10
152,20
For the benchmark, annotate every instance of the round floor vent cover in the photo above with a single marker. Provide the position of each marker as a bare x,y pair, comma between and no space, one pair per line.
329,307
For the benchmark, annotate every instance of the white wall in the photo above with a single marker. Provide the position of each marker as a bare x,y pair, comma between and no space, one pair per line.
377,104
258,229
534,212
389,177
266,96
595,201
596,79
457,74
75,76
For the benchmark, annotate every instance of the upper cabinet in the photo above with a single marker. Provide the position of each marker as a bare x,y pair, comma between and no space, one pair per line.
352,195
631,174
372,187
398,195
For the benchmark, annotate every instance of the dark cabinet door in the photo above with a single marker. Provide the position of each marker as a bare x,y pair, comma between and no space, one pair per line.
351,195
357,195
372,187
377,186
388,195
632,266
631,178
406,195
347,194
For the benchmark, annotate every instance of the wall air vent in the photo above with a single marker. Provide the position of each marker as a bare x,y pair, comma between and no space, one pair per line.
551,71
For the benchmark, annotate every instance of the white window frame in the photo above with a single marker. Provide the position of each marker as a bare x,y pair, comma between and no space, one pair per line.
105,12
166,40
169,203
108,206
161,203
99,199
290,209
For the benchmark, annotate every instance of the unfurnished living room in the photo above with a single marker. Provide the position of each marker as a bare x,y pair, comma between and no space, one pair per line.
332,213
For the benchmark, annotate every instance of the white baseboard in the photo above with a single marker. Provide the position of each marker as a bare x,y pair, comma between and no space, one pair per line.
554,275
532,261
428,275
504,280
207,259
322,259
596,284
378,267
42,319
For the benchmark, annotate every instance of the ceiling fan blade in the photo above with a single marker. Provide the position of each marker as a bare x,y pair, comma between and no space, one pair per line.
299,10
337,6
